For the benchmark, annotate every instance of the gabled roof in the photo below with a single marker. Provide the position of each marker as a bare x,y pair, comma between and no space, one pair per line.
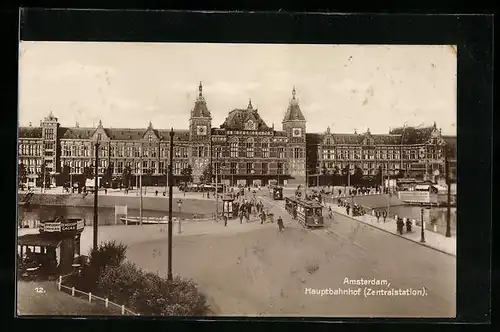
30,132
237,119
293,113
412,135
179,135
76,133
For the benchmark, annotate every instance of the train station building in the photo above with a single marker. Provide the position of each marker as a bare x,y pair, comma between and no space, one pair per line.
244,149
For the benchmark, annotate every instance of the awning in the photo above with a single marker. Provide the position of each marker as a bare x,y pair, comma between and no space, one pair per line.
38,240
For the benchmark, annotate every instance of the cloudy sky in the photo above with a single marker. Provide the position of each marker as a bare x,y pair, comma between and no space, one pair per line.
346,87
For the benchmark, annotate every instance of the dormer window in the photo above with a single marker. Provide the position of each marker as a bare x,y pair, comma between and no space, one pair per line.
99,137
150,137
250,125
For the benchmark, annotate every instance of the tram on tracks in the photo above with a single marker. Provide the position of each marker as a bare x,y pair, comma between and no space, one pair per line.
308,213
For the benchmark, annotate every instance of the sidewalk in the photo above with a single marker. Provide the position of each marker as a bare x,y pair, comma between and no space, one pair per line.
447,245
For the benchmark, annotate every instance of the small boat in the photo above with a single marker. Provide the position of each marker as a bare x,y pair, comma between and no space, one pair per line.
146,220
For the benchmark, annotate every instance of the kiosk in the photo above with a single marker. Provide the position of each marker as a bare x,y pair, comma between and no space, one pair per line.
54,249
227,206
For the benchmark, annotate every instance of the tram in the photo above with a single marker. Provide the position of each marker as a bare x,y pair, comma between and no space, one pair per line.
308,213
277,193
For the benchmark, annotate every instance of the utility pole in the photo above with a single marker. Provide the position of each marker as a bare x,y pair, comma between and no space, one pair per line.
317,176
216,188
170,198
448,184
422,224
96,189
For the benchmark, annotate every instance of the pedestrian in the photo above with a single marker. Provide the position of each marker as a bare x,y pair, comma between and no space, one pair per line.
384,214
281,227
347,208
241,215
330,212
262,217
400,225
105,191
225,220
377,214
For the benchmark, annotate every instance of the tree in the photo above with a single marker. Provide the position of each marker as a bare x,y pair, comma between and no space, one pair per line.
88,173
324,170
108,175
187,173
127,175
207,174
43,176
22,173
379,176
65,175
358,176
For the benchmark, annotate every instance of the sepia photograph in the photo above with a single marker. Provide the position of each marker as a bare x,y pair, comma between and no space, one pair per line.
230,180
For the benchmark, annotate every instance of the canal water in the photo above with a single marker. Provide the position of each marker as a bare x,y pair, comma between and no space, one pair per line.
106,215
432,215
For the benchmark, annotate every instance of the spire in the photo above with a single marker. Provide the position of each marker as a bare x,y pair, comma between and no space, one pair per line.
250,104
293,112
434,125
200,109
328,129
100,123
77,125
150,124
368,131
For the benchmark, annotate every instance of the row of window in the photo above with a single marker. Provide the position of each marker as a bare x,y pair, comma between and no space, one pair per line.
30,150
249,168
124,151
331,166
330,154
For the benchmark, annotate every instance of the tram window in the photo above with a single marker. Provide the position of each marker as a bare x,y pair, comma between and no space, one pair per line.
309,212
318,212
38,250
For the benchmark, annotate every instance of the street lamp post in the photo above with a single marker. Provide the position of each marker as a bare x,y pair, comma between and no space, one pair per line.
96,189
448,208
170,198
179,205
216,188
422,234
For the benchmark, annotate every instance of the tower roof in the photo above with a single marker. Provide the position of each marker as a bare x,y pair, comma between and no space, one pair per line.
293,113
200,109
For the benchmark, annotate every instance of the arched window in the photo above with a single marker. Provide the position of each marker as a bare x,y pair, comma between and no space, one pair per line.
328,141
250,146
265,148
234,148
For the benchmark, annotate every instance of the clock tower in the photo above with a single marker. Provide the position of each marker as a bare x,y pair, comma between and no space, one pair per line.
200,135
294,126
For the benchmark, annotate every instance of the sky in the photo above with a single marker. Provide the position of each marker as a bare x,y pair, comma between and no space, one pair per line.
345,87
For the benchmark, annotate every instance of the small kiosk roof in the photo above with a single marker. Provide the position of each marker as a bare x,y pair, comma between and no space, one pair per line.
38,240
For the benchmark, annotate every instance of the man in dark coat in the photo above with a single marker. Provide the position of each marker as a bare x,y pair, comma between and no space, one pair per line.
281,227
